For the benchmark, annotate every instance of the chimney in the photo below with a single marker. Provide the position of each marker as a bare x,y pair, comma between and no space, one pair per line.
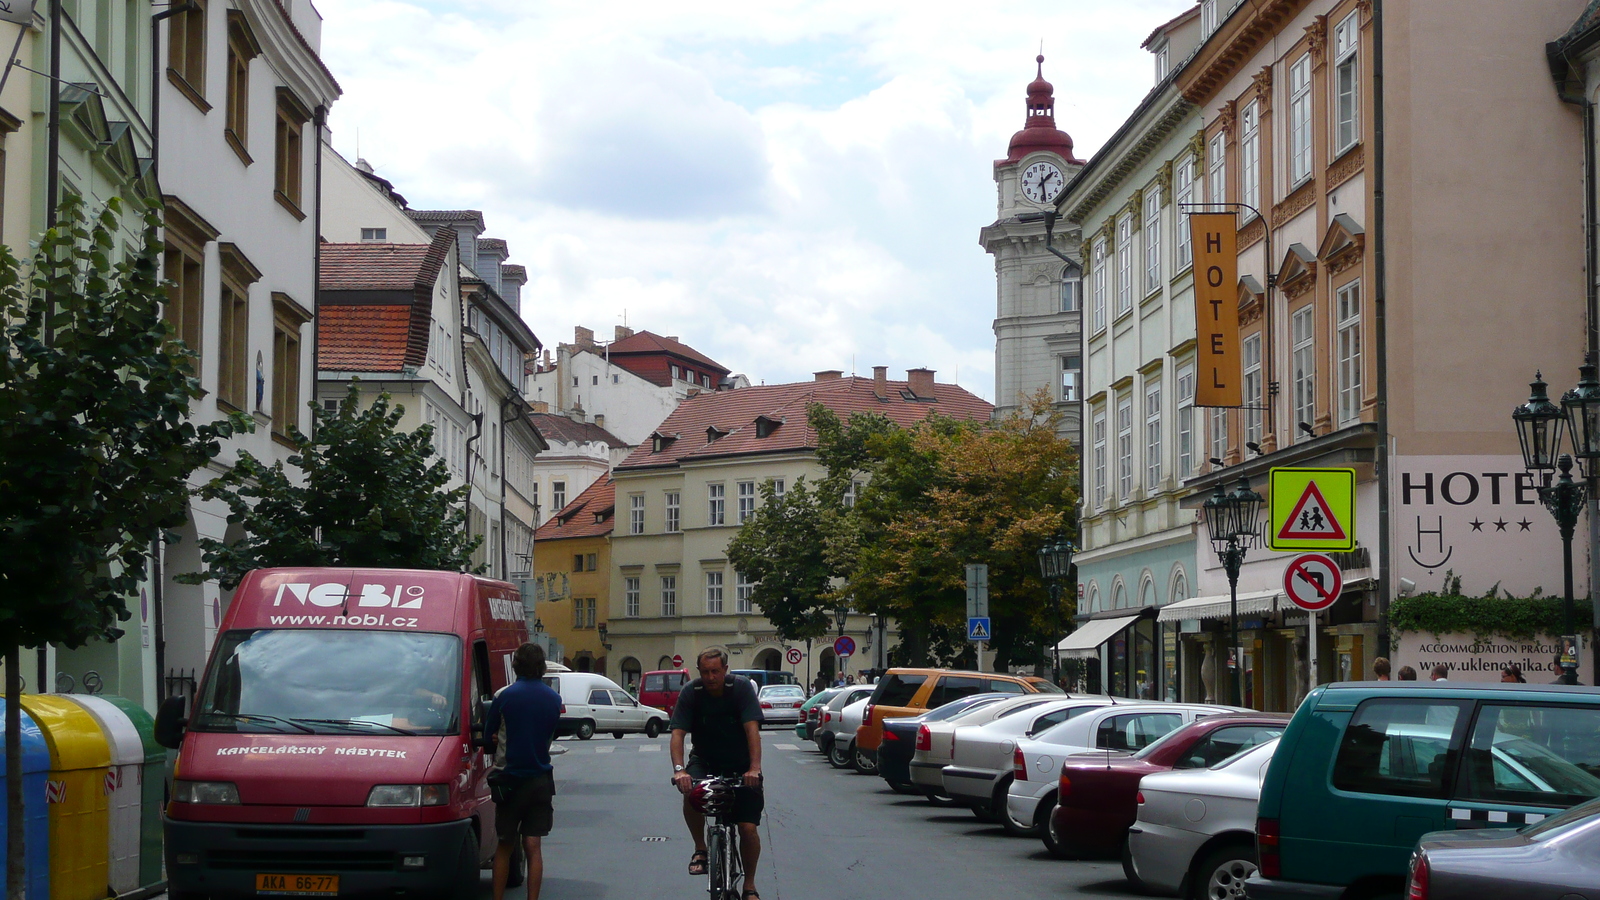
829,375
921,383
880,382
673,338
623,331
583,337
600,420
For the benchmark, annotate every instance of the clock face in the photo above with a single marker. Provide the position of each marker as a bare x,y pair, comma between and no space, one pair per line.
1042,182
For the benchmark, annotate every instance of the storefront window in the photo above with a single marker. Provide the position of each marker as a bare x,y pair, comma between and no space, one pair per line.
1119,665
1169,660
1144,660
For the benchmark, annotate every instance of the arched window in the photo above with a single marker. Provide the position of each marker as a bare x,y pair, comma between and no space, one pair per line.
1119,597
630,674
1094,595
1147,592
665,663
1180,587
1071,288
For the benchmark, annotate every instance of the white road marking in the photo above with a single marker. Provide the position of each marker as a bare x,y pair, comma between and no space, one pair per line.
604,749
650,748
786,746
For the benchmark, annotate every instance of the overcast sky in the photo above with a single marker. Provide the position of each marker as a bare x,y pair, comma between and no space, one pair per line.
787,186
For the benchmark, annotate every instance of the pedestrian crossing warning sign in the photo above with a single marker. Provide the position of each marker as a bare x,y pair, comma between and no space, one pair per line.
1313,509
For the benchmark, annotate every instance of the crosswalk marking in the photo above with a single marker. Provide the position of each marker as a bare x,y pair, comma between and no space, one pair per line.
786,746
650,748
604,749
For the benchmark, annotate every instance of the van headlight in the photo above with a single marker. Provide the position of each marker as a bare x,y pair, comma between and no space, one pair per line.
215,792
409,795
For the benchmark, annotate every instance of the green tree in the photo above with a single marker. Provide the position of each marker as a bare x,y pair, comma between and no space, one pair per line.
369,496
783,550
95,446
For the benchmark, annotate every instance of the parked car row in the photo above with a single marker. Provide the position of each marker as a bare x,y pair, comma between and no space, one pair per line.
1426,791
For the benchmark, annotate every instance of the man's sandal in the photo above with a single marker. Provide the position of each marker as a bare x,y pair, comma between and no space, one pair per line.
697,862
751,893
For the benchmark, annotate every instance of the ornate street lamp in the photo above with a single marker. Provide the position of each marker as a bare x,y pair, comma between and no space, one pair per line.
1232,520
603,635
840,614
1055,565
1539,424
1582,405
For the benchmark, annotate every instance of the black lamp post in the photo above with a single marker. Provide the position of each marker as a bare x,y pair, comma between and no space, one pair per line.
1539,429
840,614
603,635
1232,521
1055,565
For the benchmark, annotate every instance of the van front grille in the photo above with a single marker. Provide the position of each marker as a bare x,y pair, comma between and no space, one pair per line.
297,861
300,834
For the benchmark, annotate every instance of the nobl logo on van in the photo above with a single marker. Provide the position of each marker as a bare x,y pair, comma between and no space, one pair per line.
331,594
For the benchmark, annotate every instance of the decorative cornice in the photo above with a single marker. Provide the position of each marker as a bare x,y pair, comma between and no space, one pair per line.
1262,81
1227,113
1252,232
1164,182
1317,40
1297,287
1347,165
1239,38
1348,256
1197,146
1128,156
1294,204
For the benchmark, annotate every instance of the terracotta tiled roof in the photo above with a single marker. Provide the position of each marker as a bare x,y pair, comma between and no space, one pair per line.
590,514
306,45
1589,18
489,243
734,414
362,338
372,267
644,342
364,276
447,216
514,271
553,428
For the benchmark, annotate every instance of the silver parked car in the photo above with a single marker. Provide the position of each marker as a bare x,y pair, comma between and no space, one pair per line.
1556,857
980,769
780,703
1196,831
832,727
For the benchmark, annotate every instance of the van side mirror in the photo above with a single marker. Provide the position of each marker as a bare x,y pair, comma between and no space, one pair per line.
478,741
170,722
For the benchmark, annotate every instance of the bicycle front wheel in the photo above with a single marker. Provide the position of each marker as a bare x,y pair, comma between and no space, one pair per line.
716,864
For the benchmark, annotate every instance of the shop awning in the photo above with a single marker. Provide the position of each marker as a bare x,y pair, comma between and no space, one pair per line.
1218,606
1091,634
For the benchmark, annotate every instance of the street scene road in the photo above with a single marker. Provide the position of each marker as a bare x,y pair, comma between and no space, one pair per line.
828,833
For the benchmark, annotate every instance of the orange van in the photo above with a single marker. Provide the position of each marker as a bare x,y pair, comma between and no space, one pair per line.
908,692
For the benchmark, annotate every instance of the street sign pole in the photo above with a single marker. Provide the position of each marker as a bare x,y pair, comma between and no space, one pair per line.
978,598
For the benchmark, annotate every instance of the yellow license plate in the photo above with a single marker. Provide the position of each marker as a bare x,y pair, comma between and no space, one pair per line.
298,885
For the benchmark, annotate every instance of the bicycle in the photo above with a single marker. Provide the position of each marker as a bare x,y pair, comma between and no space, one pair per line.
724,868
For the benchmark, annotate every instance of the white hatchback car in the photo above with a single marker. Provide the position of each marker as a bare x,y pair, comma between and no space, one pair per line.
780,703
1182,813
831,728
980,762
936,740
1123,728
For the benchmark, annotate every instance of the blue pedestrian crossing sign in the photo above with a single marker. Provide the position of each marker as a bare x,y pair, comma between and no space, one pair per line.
978,629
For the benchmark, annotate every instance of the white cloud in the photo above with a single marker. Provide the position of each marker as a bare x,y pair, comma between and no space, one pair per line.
788,185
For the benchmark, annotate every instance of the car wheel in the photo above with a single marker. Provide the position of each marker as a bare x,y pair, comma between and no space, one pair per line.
839,754
984,811
652,728
585,730
824,742
903,787
938,799
617,735
1221,875
1014,827
1044,820
467,879
864,763
1134,881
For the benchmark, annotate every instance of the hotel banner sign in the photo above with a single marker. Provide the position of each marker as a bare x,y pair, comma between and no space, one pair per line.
1215,239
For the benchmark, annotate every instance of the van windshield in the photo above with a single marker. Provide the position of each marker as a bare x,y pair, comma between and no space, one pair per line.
271,681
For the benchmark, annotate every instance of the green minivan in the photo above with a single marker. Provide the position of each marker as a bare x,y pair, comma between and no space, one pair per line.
1365,768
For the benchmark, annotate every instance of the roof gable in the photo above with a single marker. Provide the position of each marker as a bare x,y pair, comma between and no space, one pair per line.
590,514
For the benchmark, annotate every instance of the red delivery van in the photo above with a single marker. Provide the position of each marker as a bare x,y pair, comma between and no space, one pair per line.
661,688
335,744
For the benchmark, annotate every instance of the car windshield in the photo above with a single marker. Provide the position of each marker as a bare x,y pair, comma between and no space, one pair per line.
962,707
1045,687
1563,821
1264,748
332,682
1156,747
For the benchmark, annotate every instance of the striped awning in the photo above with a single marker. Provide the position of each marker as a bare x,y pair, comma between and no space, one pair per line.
1219,607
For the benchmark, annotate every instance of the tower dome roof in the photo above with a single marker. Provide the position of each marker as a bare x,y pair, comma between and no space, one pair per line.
1039,132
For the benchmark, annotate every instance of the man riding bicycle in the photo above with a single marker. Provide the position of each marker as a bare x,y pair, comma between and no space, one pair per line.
721,712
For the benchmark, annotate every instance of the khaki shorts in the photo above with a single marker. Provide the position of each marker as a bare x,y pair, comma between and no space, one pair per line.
530,810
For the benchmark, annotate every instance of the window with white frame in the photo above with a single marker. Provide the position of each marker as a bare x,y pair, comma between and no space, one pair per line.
1152,239
715,502
558,495
1099,460
1124,448
674,508
1250,156
1098,280
1303,362
636,514
1251,354
1219,432
713,593
1124,264
1185,422
1163,61
747,501
1300,120
777,488
630,596
1183,189
851,492
669,595
1217,165
743,590
1346,70
1208,17
1347,306
1070,366
1071,288
1152,435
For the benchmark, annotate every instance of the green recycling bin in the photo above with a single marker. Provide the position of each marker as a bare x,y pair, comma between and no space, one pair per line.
152,784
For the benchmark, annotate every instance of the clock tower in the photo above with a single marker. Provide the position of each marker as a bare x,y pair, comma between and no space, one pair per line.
1038,295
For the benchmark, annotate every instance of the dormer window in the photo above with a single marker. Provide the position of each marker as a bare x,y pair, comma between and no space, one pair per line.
374,234
660,442
713,432
1163,61
766,425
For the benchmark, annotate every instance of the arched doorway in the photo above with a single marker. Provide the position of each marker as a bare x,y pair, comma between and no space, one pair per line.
769,659
631,671
664,662
584,662
827,664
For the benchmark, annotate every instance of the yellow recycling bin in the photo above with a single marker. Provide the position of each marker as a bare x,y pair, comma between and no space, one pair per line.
77,798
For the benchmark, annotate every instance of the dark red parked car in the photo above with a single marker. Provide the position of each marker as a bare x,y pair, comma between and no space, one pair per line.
1098,796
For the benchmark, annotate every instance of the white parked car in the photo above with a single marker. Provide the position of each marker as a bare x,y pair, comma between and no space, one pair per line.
594,703
1036,762
831,725
980,762
936,740
1182,813
780,703
842,750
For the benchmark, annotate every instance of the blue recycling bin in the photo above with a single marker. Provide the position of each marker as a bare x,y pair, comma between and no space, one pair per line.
35,815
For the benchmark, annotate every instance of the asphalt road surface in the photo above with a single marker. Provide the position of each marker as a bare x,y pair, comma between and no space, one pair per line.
827,834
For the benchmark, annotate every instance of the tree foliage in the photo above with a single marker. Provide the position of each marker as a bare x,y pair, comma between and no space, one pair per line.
369,495
780,551
95,438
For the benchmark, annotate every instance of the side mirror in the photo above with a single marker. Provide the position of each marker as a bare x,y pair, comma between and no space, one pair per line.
478,740
170,722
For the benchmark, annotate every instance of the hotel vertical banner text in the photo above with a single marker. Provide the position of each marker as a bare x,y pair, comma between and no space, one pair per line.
1216,312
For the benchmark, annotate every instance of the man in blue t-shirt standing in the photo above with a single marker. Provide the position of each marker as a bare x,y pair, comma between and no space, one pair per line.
529,709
